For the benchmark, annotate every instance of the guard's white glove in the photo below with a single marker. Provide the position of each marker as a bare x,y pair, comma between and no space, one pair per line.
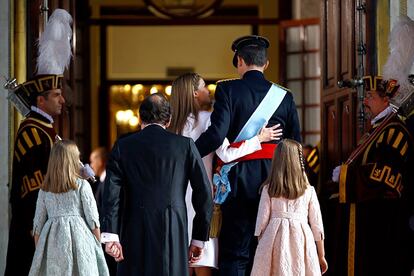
335,174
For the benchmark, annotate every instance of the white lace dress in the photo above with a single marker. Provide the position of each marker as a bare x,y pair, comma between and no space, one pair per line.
66,244
288,230
210,252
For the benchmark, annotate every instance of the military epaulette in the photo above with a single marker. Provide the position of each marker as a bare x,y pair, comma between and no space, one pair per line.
224,80
282,87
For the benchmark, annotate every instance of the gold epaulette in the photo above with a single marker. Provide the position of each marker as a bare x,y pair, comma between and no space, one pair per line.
278,85
227,80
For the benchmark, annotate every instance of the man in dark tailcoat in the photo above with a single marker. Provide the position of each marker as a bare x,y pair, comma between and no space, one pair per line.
147,177
236,101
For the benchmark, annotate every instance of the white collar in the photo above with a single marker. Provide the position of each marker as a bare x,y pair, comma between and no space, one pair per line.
381,115
151,124
102,176
41,112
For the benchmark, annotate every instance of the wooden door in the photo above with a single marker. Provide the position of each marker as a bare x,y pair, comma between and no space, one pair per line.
344,45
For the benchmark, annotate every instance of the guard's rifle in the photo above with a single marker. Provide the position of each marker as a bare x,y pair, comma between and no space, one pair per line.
18,97
401,103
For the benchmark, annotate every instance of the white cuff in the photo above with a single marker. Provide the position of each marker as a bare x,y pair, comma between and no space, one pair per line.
199,244
109,237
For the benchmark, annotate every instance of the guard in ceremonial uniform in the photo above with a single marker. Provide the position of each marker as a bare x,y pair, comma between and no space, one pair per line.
239,102
43,100
373,188
312,165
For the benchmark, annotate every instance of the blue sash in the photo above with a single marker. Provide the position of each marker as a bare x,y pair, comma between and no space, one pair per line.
259,118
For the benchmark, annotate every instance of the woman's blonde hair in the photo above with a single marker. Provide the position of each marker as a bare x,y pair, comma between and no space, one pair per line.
182,101
63,168
287,177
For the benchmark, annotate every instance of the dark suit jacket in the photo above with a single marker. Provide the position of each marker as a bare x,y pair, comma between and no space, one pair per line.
236,100
150,171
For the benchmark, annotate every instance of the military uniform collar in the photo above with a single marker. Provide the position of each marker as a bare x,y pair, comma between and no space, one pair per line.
153,124
253,74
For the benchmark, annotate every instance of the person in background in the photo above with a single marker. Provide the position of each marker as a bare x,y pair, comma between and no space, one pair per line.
66,223
97,159
289,219
312,163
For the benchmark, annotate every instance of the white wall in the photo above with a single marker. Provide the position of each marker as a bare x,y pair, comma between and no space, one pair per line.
4,130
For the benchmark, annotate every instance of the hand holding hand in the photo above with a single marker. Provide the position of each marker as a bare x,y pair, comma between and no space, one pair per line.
194,254
335,174
267,134
114,249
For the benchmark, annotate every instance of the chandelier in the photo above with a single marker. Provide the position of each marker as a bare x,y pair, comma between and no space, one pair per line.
182,8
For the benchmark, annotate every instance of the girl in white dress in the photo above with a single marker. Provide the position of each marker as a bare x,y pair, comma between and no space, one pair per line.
189,100
289,220
66,223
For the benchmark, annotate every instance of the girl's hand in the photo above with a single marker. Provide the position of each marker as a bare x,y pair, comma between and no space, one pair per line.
323,264
267,134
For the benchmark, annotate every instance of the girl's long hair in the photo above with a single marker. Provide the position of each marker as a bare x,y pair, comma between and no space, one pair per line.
287,177
182,101
63,168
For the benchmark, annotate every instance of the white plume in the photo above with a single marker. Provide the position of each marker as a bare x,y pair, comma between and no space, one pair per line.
401,57
54,44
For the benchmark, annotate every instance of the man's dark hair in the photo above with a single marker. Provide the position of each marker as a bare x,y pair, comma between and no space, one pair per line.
33,97
253,55
155,109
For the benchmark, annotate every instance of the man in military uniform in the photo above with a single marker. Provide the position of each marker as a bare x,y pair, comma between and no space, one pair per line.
237,101
373,187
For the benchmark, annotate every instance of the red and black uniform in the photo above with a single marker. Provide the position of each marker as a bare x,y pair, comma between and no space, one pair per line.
34,140
374,189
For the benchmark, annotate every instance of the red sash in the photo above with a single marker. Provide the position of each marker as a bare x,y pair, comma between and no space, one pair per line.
265,153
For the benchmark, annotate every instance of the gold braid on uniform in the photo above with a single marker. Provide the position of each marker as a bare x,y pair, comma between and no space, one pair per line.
216,221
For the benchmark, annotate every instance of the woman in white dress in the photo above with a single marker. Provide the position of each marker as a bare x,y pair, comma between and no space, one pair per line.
189,100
